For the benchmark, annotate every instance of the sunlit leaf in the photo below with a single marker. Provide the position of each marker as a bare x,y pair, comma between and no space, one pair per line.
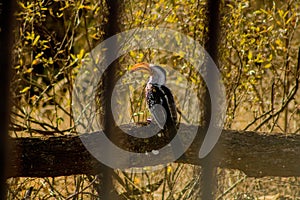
250,55
29,70
268,65
25,89
81,54
279,42
35,40
290,19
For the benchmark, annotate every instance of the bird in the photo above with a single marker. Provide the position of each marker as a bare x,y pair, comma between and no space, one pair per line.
161,104
159,98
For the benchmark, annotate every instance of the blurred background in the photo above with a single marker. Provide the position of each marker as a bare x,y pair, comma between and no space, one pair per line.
258,49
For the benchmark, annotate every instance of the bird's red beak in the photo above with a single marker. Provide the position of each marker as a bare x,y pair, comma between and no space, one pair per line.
141,66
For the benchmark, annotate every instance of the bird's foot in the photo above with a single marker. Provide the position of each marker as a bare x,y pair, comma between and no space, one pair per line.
149,120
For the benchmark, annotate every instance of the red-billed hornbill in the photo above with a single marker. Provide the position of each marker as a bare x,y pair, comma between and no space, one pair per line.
159,98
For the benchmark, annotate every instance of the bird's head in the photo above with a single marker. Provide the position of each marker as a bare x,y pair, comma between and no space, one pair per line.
157,73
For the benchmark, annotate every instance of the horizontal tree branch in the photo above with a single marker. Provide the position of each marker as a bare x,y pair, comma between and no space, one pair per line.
256,154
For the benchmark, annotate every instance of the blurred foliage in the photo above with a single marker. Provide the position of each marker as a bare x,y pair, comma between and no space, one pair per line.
258,48
259,62
51,40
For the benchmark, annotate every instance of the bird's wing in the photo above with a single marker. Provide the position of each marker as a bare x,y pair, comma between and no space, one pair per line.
170,102
161,104
159,114
156,105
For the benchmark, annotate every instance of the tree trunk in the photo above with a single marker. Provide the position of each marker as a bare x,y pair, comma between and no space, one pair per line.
7,19
256,154
208,179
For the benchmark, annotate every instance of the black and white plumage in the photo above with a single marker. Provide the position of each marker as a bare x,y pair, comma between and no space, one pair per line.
162,106
159,98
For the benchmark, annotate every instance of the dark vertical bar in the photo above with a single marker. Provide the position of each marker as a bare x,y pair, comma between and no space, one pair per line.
209,179
6,26
111,28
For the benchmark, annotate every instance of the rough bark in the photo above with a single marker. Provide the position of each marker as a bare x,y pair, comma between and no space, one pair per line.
256,154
